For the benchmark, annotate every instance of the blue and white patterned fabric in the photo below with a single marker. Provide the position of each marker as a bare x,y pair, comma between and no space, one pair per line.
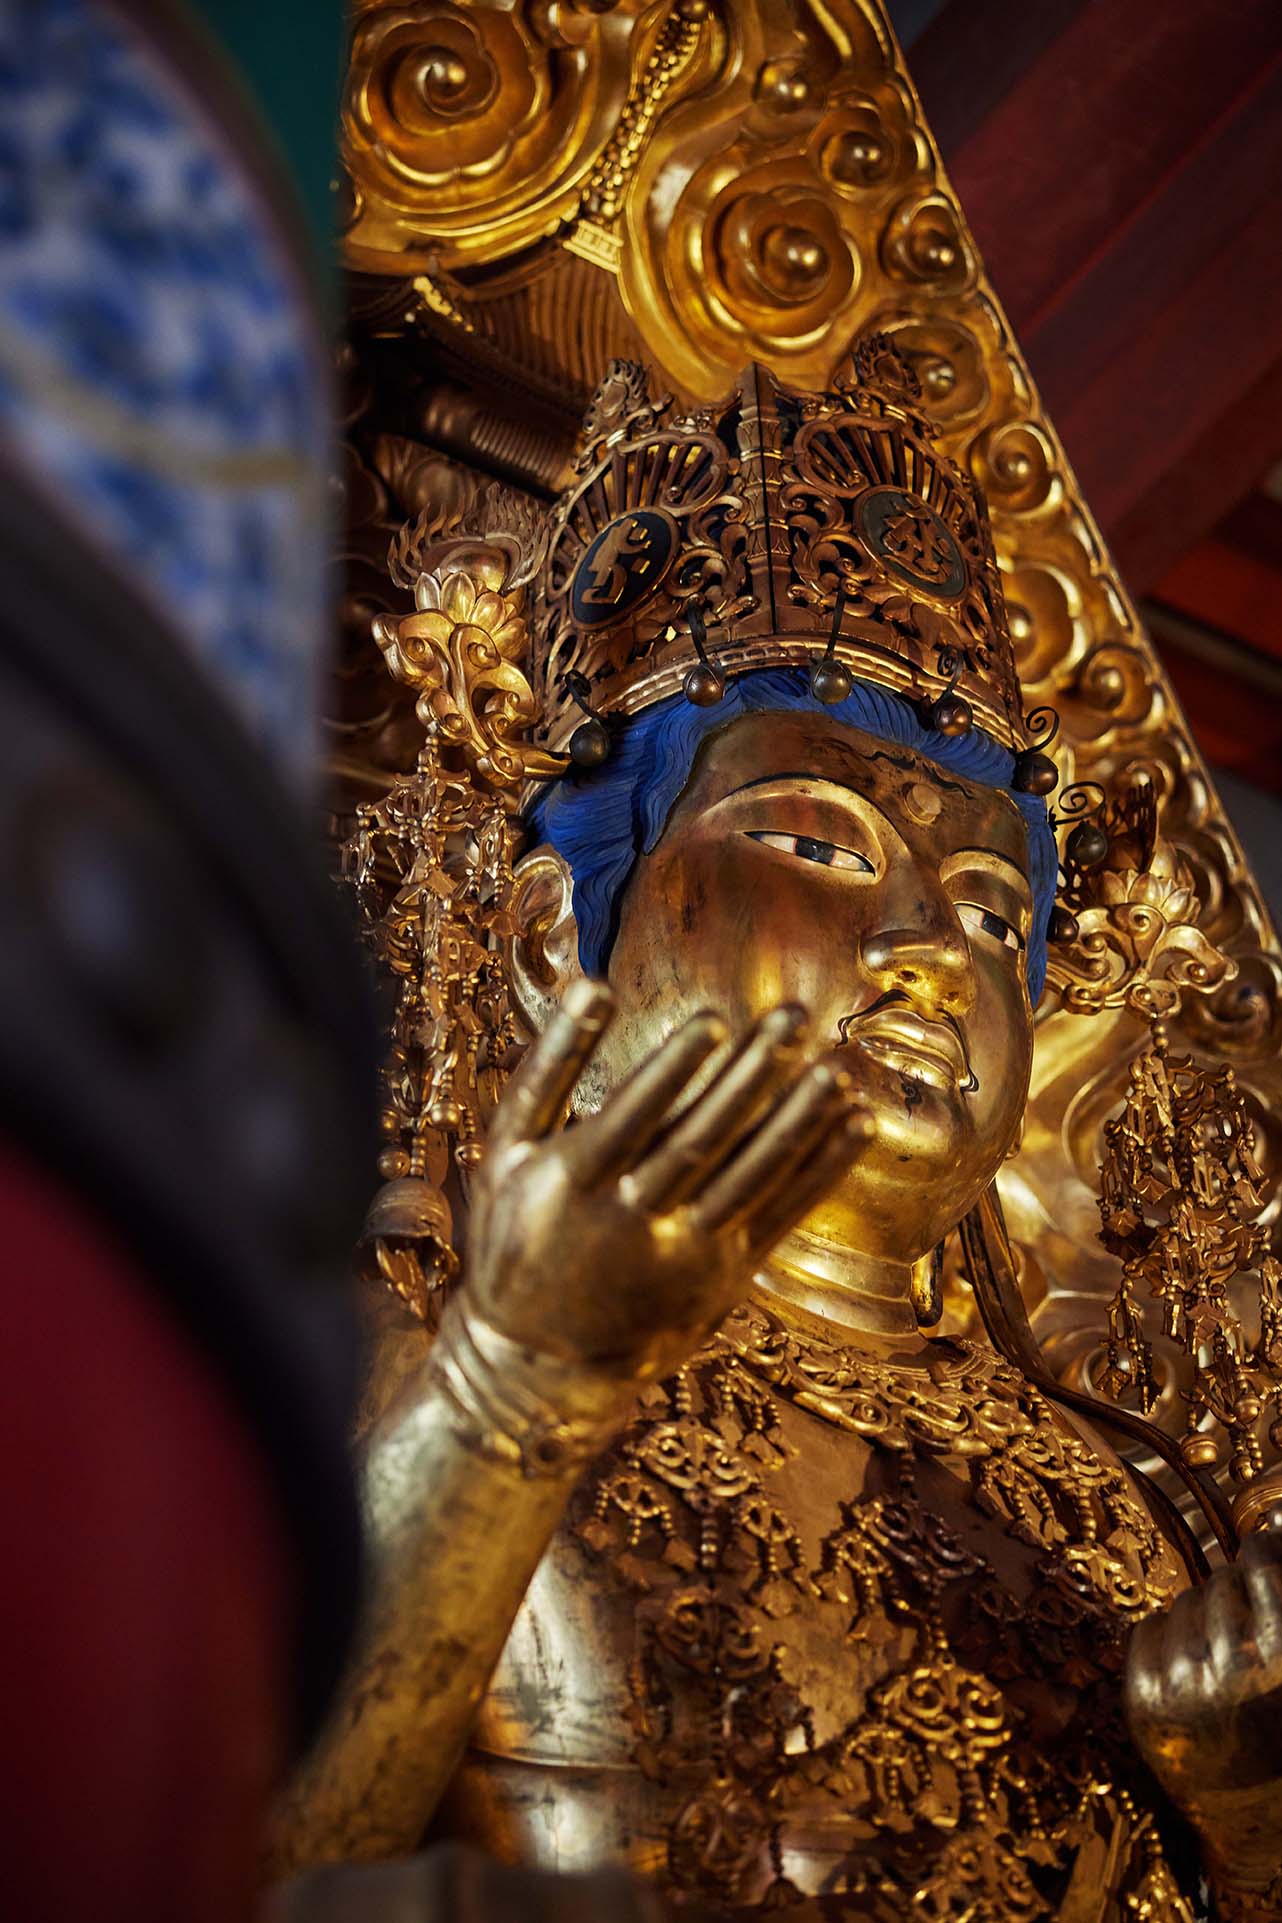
161,369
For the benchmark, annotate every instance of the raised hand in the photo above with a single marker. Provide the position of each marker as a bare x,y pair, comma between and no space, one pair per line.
1204,1701
621,1241
599,1256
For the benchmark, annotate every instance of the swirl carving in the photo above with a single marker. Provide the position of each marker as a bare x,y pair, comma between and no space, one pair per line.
864,147
440,94
749,229
1015,465
1045,610
1113,688
761,254
1244,1016
923,241
947,358
469,129
779,259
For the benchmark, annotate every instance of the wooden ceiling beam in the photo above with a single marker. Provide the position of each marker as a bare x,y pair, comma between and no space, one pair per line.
1137,244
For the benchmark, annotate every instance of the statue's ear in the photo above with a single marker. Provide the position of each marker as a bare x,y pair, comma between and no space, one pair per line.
543,956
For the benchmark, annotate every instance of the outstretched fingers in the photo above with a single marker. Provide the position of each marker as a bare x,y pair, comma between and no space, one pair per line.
537,1096
812,1136
821,1165
637,1112
715,1124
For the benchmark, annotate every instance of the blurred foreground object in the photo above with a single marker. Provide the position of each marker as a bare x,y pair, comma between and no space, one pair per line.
184,1040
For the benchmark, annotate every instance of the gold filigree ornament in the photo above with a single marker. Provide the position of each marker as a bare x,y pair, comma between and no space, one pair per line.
1181,1203
1131,936
1182,1196
693,1513
432,866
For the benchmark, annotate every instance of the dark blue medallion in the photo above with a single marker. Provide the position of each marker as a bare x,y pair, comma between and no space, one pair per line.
624,565
906,535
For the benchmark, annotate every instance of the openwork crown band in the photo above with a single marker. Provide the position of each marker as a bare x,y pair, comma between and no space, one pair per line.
777,529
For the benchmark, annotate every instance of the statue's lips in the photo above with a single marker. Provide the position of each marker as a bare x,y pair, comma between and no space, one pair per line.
927,1051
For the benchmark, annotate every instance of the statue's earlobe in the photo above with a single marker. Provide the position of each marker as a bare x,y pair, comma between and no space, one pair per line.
543,955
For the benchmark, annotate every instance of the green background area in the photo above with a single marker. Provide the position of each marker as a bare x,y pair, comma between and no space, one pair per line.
289,54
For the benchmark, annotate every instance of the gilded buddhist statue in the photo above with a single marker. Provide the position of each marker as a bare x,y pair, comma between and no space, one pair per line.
697,1552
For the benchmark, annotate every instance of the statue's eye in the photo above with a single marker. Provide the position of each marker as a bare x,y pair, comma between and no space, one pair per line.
983,921
826,854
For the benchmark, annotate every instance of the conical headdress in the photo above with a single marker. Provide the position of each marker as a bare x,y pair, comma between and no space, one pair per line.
782,526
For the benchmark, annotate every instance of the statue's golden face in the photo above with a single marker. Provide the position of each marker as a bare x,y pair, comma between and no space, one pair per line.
808,862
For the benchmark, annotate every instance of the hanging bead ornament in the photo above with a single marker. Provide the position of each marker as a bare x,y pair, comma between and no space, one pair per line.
1086,844
431,863
1085,847
590,742
948,713
1034,772
704,684
830,679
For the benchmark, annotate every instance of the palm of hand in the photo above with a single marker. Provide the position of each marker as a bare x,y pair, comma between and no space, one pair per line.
622,1241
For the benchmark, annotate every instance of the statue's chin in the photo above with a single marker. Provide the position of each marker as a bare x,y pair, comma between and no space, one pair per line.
926,1166
936,1148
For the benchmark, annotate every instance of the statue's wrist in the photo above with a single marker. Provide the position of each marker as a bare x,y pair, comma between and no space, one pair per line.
539,1413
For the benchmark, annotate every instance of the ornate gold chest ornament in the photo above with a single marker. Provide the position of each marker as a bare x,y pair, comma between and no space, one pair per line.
896,1752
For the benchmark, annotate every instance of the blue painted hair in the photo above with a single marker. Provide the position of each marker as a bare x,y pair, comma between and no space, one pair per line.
601,820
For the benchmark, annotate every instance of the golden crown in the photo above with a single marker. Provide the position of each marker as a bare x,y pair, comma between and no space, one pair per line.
776,529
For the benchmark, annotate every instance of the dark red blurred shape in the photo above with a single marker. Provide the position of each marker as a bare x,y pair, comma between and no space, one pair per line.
143,1607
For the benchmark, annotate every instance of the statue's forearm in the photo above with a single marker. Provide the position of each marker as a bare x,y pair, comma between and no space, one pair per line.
465,1480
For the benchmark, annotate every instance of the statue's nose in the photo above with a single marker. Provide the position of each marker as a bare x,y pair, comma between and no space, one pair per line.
926,955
